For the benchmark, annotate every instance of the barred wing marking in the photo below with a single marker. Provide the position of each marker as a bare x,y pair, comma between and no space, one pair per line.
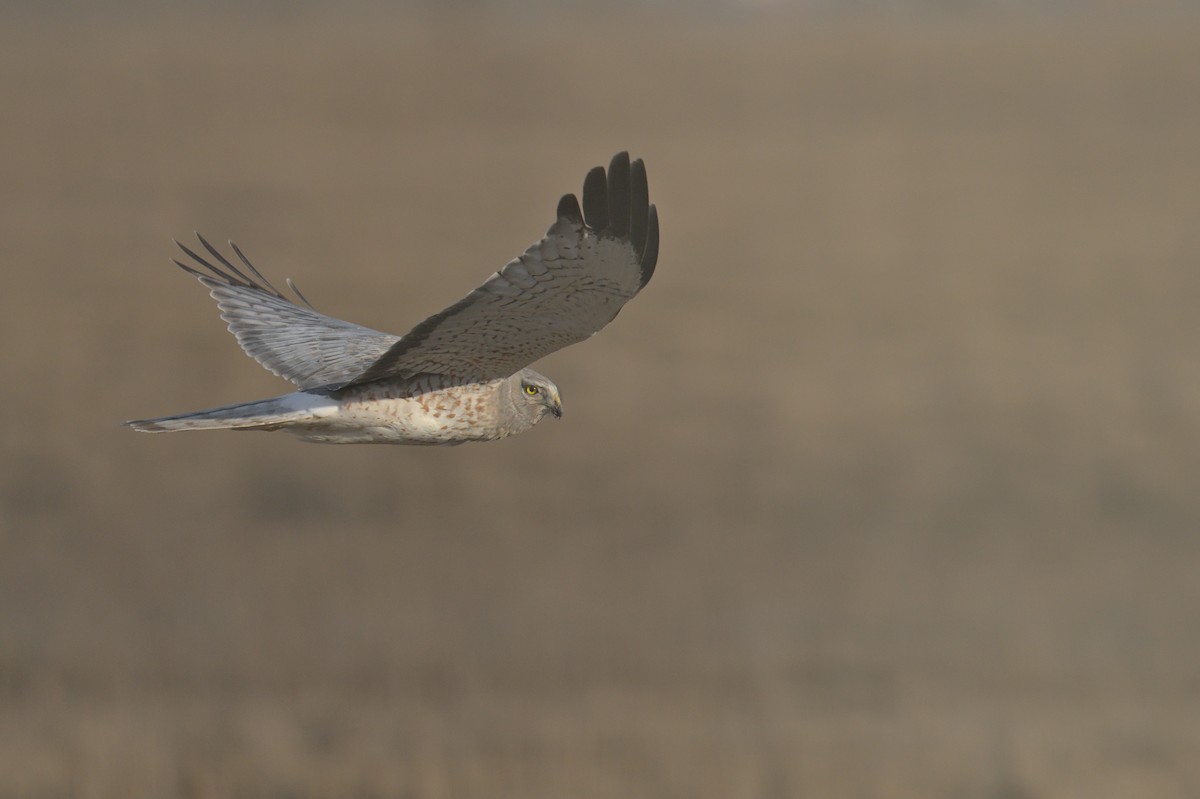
562,290
295,342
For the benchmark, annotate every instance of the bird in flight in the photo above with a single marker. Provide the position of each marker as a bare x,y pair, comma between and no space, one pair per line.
460,375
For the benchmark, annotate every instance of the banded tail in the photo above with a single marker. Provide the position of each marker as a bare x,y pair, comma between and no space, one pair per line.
268,414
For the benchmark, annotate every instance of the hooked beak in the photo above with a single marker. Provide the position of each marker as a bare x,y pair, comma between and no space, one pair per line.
556,408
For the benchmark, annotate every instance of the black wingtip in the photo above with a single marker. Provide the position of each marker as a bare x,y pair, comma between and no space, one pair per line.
568,208
195,257
650,253
616,203
595,199
291,284
618,195
231,274
262,279
191,271
639,205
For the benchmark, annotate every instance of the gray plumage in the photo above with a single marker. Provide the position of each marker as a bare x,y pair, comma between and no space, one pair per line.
459,375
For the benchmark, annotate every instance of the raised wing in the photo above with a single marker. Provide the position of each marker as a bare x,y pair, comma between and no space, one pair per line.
295,342
564,288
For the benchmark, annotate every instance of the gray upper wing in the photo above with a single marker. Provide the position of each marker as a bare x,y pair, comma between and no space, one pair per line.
295,342
562,290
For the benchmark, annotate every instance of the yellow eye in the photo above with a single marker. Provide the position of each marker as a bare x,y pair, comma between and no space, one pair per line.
531,390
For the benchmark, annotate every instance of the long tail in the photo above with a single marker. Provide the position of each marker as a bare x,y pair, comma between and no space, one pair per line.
268,414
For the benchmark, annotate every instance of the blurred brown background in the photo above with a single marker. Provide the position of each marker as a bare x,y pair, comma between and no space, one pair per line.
886,486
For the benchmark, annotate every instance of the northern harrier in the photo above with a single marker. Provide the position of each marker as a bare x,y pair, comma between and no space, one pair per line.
460,375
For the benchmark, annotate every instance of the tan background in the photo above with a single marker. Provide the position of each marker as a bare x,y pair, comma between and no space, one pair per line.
886,486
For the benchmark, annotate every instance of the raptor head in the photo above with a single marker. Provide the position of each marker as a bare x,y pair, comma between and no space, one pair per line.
534,396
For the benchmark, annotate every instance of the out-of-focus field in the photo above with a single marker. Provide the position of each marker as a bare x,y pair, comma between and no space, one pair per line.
888,485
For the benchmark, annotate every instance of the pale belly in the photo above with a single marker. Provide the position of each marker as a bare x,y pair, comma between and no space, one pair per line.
393,415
